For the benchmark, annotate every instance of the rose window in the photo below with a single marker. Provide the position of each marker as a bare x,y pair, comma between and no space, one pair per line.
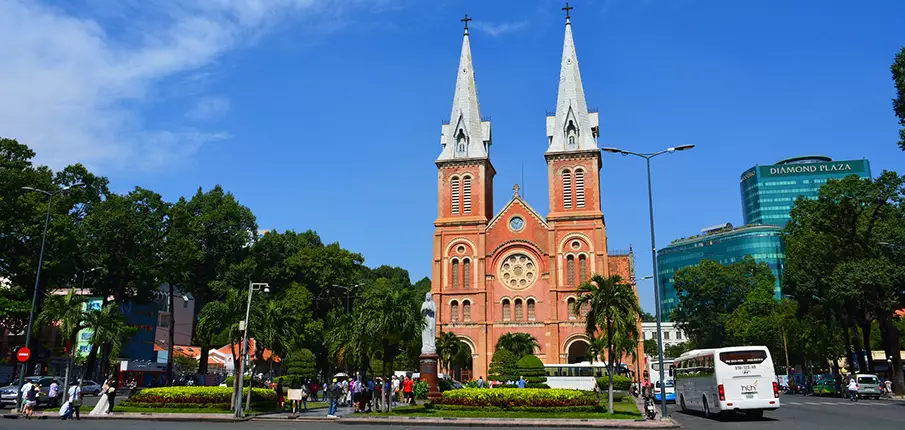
518,271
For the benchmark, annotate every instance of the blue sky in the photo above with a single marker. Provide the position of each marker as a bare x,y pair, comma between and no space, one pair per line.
326,115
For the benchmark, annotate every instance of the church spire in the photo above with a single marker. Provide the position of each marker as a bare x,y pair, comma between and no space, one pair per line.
573,127
466,135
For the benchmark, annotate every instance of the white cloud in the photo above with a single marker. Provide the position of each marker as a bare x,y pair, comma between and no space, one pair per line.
210,108
498,29
73,81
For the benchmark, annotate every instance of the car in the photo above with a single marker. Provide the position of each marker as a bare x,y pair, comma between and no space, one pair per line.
868,386
91,387
825,387
8,393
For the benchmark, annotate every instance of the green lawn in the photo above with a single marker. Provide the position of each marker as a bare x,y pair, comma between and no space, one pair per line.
255,409
623,410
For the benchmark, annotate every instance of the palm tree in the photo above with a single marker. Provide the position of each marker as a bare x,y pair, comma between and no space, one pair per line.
274,328
110,331
613,312
69,311
452,351
225,315
519,344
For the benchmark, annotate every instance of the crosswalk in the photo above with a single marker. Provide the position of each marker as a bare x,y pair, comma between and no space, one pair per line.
858,403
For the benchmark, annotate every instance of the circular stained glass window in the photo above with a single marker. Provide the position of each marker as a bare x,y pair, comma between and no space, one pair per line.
518,271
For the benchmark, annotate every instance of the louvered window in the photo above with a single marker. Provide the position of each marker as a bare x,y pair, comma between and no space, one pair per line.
466,311
466,195
570,270
454,311
582,268
466,273
506,315
454,187
567,189
579,188
455,273
530,309
518,309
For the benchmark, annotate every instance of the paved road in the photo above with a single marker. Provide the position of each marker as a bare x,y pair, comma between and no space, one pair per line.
799,412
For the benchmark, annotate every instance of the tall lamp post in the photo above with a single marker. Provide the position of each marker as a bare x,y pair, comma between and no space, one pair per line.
653,251
252,287
348,295
34,299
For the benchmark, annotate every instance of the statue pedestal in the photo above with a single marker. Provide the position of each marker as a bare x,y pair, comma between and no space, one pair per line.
429,375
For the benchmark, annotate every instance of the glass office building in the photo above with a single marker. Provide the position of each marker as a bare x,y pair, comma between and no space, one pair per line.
768,192
723,244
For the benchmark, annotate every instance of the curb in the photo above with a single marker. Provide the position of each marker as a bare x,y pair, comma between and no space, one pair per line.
139,417
493,422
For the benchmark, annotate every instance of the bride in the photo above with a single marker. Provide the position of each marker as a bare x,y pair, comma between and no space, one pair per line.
101,407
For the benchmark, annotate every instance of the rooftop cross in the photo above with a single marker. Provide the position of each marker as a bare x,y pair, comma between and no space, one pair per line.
567,9
465,20
515,188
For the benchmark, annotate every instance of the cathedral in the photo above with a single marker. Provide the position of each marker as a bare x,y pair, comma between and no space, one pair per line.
517,270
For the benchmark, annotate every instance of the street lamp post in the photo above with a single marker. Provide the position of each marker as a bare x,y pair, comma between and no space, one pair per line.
34,297
348,295
252,287
653,252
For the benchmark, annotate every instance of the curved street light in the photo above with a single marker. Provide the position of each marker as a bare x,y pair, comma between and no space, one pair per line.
653,249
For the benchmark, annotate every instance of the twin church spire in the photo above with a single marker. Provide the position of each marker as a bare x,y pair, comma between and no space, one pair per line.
572,128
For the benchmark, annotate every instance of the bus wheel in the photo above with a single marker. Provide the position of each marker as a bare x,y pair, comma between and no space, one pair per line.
755,414
682,403
706,407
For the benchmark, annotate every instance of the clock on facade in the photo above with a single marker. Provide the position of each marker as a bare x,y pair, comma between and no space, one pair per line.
516,223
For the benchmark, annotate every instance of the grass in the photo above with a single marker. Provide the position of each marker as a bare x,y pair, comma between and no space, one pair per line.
623,410
258,408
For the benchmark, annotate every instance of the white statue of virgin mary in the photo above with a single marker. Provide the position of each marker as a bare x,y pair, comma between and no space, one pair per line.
429,331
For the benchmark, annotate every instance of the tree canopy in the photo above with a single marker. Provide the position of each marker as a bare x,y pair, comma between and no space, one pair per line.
898,103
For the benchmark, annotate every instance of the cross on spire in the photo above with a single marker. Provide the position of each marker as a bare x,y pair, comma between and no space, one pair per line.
568,9
515,188
465,20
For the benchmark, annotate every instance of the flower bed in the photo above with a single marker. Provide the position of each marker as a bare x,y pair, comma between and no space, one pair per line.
165,396
532,409
514,397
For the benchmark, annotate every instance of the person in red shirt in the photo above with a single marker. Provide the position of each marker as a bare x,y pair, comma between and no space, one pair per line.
408,390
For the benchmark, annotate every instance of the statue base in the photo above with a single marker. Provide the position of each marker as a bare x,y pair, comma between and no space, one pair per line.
429,375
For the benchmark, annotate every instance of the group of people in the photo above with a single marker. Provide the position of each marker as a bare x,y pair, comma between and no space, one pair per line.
521,382
366,396
31,391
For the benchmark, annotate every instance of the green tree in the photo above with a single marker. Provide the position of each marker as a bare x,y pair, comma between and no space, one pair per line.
519,344
300,366
532,369
502,366
613,312
898,103
452,351
674,351
14,309
68,313
108,327
648,317
651,347
185,365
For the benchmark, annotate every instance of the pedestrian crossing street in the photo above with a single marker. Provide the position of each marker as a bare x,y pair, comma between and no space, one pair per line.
839,403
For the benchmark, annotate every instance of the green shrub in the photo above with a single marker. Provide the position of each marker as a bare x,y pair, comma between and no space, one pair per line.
532,369
245,381
421,390
301,363
548,409
513,397
619,382
502,366
444,385
206,395
129,403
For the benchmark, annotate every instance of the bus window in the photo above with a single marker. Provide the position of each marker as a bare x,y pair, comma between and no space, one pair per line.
743,357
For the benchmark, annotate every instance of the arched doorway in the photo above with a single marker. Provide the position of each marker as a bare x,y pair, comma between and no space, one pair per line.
462,366
578,351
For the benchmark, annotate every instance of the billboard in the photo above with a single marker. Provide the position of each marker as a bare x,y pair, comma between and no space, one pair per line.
83,339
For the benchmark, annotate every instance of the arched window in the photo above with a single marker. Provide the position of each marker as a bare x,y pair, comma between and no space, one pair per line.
570,304
506,314
582,268
570,270
466,195
454,188
454,311
518,309
579,188
455,273
466,311
567,189
571,133
530,309
460,142
466,273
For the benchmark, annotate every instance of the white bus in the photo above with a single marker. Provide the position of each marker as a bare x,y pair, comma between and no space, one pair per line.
577,376
739,378
653,371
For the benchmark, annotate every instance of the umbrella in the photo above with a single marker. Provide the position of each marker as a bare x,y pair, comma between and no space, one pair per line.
340,375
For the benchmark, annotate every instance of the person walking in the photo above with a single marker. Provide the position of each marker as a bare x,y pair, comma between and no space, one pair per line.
281,401
333,393
74,400
111,395
853,390
888,387
480,382
53,393
24,390
394,386
408,387
31,400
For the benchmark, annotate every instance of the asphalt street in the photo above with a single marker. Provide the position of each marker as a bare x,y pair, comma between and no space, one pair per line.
800,412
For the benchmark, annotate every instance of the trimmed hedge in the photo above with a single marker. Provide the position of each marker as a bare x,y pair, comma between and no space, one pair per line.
512,397
502,366
229,381
619,382
197,395
548,409
131,404
533,370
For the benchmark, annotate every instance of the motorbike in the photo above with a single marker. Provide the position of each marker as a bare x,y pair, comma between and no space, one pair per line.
650,409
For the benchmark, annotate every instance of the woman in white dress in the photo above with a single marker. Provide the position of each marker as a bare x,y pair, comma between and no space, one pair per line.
101,407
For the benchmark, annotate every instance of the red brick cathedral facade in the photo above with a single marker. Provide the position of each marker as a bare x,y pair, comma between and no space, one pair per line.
516,270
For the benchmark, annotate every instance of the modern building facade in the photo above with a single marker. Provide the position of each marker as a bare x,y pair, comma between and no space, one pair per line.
769,192
671,334
517,270
724,245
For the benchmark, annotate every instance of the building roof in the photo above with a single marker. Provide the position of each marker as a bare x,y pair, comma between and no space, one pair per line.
465,122
228,350
571,107
801,158
719,234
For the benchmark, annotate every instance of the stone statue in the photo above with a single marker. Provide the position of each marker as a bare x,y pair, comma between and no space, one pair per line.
429,331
